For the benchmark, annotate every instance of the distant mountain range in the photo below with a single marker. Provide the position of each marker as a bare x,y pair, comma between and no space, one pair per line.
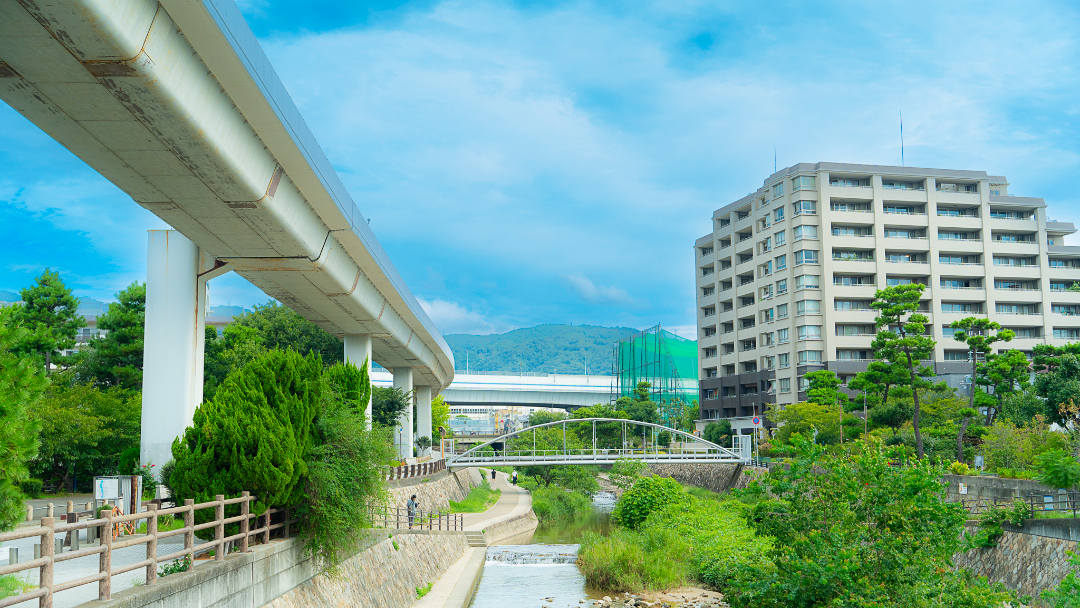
561,349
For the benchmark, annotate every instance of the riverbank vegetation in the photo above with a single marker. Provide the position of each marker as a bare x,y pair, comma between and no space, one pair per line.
480,499
825,531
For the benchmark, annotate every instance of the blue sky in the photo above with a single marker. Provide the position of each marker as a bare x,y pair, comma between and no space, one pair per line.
552,162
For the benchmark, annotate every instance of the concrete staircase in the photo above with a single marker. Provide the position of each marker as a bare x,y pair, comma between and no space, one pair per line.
476,539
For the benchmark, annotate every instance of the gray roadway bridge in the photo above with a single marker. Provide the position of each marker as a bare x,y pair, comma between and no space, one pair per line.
176,103
576,442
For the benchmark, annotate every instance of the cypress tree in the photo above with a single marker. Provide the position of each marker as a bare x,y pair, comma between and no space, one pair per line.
21,384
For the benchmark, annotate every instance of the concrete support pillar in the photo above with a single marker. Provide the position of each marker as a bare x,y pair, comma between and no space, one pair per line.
173,343
423,411
357,351
403,434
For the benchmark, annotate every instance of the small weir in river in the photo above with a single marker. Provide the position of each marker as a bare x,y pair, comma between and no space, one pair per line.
542,571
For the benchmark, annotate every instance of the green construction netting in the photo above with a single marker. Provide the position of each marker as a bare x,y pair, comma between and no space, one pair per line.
662,359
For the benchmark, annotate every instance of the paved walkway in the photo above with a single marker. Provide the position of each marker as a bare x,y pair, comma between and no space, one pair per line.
455,587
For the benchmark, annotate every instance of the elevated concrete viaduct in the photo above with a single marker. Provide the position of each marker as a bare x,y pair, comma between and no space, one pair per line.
176,103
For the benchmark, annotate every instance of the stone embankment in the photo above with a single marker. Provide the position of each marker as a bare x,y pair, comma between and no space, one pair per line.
691,597
715,477
436,492
1029,559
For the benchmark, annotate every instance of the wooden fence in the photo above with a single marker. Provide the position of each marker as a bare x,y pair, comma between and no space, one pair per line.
408,471
110,541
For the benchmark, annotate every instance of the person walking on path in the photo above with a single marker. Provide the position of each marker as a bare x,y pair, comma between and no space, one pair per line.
492,474
410,508
514,478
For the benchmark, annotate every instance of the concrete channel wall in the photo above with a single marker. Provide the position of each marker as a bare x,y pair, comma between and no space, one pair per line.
715,477
383,574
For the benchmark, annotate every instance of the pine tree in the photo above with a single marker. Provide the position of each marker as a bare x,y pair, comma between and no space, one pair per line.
50,312
976,334
117,358
21,384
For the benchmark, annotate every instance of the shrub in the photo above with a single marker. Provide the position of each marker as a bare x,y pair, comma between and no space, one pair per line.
34,488
990,529
253,435
629,560
649,494
959,468
1067,593
1058,469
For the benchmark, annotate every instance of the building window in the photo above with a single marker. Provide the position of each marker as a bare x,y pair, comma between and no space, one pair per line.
766,292
854,280
778,190
1010,261
849,182
778,214
808,281
955,258
1069,310
808,307
765,269
710,372
804,232
764,222
809,332
952,235
1017,309
781,311
956,355
785,359
803,182
852,355
854,207
850,305
1026,333
856,255
804,207
785,385
708,291
806,256
780,239
1066,333
783,336
960,307
900,209
781,287
809,357
781,262
710,352
893,281
766,245
708,331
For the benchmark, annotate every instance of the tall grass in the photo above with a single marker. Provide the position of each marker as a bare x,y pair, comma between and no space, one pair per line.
553,502
479,499
627,560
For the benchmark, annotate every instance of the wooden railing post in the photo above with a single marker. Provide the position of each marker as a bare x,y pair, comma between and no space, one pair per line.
219,529
151,544
266,528
288,532
189,528
48,551
105,534
245,511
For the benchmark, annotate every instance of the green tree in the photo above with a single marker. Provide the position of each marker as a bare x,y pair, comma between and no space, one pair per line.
1005,373
608,434
85,430
117,358
21,385
856,532
640,407
237,346
388,405
718,433
807,419
1059,384
51,313
1058,469
648,495
254,434
1022,406
902,342
543,417
440,417
689,414
979,334
280,327
626,471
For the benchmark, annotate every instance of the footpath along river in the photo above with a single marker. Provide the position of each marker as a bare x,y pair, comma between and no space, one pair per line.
541,571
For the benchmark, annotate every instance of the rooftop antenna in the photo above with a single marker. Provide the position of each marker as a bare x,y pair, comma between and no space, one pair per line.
902,139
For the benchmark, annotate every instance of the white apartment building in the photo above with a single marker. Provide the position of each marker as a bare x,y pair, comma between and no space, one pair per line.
785,279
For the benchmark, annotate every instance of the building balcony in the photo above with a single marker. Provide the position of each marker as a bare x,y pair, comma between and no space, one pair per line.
918,220
962,294
851,241
951,222
1002,271
1016,249
1060,227
904,196
1013,224
956,197
853,342
960,245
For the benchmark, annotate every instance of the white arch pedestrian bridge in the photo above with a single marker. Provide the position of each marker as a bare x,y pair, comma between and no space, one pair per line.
596,441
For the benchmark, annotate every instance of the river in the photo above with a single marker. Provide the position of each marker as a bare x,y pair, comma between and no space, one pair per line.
541,571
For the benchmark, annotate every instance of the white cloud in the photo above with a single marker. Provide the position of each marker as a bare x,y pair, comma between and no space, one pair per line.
684,331
453,318
599,294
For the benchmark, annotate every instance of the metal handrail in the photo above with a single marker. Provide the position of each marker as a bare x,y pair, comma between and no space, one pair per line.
400,518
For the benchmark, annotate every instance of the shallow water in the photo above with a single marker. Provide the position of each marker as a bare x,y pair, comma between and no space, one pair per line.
527,575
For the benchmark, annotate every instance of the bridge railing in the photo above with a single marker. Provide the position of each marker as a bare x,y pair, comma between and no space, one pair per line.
591,454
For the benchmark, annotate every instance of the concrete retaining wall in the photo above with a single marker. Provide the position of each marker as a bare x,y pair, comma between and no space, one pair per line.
436,494
715,477
1029,563
993,487
513,527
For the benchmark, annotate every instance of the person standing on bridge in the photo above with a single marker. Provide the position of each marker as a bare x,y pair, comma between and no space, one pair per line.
410,508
